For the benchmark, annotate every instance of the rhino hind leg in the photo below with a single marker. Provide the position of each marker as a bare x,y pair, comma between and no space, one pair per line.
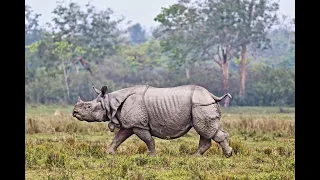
222,138
204,145
206,120
120,137
146,137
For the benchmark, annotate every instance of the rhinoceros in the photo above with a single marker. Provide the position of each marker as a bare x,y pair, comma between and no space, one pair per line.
166,113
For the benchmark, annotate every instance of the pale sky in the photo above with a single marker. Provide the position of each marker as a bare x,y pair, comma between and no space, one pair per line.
137,11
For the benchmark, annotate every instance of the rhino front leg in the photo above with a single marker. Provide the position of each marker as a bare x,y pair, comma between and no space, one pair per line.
146,137
204,145
120,137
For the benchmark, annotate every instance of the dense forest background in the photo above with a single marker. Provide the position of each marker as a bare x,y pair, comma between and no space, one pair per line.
239,47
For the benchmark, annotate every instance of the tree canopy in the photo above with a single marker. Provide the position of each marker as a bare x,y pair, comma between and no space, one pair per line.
197,42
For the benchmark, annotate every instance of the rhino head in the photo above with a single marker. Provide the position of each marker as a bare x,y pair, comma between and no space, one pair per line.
96,110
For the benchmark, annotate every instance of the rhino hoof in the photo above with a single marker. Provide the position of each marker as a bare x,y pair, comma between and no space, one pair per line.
109,151
196,155
151,154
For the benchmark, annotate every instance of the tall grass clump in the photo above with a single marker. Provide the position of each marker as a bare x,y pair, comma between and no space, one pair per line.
51,125
252,125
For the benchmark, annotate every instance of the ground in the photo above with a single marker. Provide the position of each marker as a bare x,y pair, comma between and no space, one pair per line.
60,147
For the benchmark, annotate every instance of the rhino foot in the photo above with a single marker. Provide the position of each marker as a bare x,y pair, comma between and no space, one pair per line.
228,152
110,151
197,155
152,154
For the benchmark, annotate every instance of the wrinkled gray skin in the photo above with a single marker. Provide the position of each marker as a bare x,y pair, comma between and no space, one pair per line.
166,113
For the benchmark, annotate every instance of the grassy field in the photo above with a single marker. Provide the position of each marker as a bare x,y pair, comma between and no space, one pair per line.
60,147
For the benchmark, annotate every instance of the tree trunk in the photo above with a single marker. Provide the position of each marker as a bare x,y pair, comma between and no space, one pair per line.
289,42
187,70
243,71
225,81
77,69
225,74
66,81
187,73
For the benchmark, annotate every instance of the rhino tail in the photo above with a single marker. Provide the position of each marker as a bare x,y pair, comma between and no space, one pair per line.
220,98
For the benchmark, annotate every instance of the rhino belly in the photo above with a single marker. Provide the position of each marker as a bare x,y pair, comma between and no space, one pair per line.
169,112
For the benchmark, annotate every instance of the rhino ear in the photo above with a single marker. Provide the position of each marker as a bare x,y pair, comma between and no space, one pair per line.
96,90
104,90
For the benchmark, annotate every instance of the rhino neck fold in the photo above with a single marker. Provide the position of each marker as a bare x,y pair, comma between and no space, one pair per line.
109,113
118,98
108,107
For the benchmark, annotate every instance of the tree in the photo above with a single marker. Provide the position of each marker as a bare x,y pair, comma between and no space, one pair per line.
281,50
197,43
64,52
145,61
270,86
200,31
137,34
42,78
90,29
254,19
31,28
294,32
174,33
78,41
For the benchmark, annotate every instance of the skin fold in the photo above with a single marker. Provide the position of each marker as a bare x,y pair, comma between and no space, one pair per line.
166,113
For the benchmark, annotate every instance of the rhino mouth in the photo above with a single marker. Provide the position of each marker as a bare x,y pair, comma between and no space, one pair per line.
74,113
77,115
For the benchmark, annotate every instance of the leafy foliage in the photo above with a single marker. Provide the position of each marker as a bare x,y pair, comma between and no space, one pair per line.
83,47
137,34
32,30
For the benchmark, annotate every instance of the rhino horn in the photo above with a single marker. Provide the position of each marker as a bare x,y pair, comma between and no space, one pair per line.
79,99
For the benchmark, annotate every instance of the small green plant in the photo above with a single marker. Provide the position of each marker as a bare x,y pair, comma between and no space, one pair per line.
70,140
140,160
214,149
238,146
56,159
142,148
266,138
267,151
184,149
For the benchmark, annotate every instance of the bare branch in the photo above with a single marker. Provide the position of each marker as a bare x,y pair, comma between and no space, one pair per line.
218,62
251,10
213,56
205,50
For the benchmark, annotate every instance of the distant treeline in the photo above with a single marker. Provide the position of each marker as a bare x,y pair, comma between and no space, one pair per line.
225,46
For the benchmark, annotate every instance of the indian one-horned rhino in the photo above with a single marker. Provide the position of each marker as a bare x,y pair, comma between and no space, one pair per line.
166,113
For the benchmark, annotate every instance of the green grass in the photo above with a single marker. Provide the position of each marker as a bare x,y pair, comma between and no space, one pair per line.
60,147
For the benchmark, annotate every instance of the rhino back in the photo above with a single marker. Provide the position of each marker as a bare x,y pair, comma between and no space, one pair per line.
201,96
169,110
